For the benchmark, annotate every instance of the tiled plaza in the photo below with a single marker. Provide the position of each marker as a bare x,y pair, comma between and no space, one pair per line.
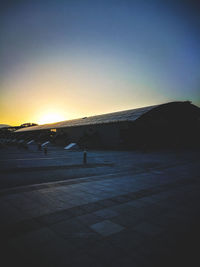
149,218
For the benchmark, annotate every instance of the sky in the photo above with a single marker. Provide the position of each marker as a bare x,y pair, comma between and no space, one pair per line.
61,60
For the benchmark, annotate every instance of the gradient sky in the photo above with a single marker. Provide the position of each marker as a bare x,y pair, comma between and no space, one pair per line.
79,58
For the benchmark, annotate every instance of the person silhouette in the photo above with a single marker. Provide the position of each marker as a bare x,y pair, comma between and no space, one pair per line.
45,150
39,146
84,156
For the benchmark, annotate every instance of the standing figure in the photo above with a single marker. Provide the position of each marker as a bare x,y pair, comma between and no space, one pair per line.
39,146
45,150
84,157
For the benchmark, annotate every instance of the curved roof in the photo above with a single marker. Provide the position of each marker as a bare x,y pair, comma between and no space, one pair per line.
127,115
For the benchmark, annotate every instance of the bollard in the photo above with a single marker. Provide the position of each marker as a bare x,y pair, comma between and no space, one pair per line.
84,157
39,146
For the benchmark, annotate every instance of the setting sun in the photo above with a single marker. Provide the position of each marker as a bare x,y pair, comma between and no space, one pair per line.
50,118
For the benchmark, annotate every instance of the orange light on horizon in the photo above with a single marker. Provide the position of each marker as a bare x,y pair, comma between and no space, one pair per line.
50,117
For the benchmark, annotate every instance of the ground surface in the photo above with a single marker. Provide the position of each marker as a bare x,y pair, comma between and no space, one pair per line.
121,209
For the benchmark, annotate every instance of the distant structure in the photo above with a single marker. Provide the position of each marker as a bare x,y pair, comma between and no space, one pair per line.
4,126
174,124
28,124
8,135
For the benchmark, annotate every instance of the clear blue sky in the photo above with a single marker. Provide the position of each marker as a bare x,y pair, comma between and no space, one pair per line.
79,58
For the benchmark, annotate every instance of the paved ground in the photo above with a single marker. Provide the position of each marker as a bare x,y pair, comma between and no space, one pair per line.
141,215
21,167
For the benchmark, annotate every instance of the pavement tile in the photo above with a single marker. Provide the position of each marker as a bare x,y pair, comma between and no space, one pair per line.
34,238
82,240
89,219
106,228
54,251
91,207
36,212
149,199
121,199
76,211
148,228
127,220
87,260
106,213
20,228
105,253
127,240
73,230
164,221
107,203
124,209
54,217
11,215
138,203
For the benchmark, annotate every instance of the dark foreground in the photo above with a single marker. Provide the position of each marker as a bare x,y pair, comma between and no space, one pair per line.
122,209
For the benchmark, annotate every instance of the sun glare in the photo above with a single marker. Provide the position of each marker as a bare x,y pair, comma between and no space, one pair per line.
50,118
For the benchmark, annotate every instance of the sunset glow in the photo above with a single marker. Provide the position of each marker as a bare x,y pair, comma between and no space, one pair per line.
51,117
83,58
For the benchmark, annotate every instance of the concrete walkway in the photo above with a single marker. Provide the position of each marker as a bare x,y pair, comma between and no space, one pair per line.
124,219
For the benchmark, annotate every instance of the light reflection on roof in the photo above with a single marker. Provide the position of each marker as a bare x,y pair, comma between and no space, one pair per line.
126,115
